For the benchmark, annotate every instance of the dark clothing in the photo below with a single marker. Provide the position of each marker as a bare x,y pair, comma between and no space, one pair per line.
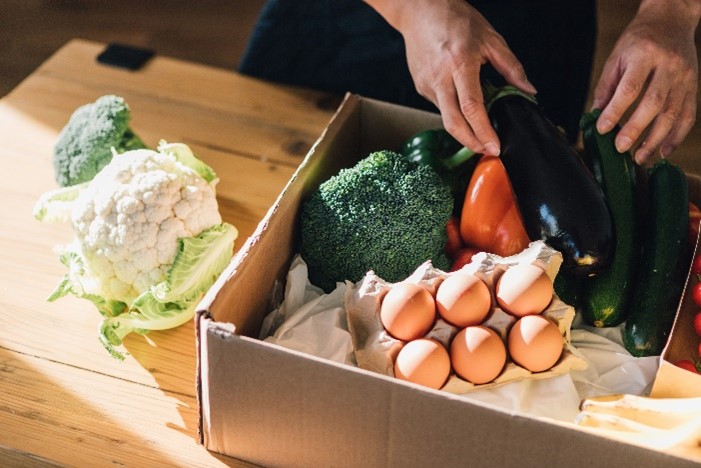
344,45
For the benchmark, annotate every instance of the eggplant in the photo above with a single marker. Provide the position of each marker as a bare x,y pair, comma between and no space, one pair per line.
560,201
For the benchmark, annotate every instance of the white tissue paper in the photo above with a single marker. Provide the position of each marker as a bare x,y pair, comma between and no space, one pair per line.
316,323
309,320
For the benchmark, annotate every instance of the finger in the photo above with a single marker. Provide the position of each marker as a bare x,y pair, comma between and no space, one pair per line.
606,86
454,122
505,62
471,102
662,124
684,122
656,104
627,91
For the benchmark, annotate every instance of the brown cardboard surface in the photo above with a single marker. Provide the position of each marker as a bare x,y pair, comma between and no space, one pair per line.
277,407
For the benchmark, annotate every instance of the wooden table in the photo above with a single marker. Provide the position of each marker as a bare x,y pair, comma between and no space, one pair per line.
63,399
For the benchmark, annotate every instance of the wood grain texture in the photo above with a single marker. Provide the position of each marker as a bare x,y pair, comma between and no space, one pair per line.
65,400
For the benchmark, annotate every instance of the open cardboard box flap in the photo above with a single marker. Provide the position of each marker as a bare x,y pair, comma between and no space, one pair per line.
273,406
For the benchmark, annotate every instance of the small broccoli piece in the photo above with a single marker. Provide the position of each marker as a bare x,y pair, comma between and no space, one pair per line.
85,143
385,214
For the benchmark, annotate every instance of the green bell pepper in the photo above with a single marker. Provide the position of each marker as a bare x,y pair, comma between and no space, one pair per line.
452,161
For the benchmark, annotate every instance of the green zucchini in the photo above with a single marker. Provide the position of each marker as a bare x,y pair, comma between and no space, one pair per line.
568,288
663,264
606,296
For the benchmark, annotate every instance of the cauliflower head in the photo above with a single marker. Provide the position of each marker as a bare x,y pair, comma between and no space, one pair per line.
149,240
128,219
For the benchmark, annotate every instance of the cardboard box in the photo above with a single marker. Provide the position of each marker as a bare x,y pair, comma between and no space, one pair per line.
276,407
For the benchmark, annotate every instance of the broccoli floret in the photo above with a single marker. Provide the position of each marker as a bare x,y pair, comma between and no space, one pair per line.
85,143
385,214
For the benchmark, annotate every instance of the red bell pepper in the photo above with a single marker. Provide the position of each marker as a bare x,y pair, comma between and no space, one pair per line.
490,218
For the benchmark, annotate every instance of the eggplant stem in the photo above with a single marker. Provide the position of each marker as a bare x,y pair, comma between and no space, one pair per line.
492,93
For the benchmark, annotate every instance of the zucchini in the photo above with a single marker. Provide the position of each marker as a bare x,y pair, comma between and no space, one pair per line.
663,263
559,199
569,288
606,296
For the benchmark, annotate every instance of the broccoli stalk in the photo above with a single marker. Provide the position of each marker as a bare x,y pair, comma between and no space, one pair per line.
385,214
85,143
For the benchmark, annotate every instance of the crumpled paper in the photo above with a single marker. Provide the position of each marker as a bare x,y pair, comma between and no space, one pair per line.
309,320
316,323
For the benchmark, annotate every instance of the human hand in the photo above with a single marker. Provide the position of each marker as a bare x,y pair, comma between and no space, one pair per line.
655,63
447,42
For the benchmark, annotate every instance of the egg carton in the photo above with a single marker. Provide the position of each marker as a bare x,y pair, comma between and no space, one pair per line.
376,350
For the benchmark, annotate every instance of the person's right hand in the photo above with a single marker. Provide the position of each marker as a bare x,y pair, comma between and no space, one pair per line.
447,42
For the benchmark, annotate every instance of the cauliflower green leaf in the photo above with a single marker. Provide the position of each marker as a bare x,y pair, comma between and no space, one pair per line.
55,205
171,303
183,154
72,283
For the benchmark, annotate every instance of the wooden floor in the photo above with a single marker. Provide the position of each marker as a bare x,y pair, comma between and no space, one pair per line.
213,32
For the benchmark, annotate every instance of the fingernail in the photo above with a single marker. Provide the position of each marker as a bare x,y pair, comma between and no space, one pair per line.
666,150
492,148
623,144
641,156
530,88
604,126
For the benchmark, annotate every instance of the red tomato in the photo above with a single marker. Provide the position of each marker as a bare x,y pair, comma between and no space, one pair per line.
688,365
696,294
697,324
454,243
463,257
696,265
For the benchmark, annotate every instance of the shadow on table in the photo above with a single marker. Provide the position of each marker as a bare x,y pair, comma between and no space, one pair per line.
170,357
45,423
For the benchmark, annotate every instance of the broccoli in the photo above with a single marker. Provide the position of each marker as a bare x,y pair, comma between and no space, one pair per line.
385,214
85,143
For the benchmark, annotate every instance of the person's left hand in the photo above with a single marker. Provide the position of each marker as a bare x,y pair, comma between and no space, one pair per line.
654,61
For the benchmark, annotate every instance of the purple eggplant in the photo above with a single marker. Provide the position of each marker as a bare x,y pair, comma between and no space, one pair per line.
559,199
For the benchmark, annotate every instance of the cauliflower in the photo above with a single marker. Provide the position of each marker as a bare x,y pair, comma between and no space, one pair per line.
128,220
149,239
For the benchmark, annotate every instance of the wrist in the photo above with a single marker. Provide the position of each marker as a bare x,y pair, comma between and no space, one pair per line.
390,10
400,14
683,12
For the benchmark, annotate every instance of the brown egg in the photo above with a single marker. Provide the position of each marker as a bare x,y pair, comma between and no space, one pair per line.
535,343
408,311
463,300
424,361
477,354
524,289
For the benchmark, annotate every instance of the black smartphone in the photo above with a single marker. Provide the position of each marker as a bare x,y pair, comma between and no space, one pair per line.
125,56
